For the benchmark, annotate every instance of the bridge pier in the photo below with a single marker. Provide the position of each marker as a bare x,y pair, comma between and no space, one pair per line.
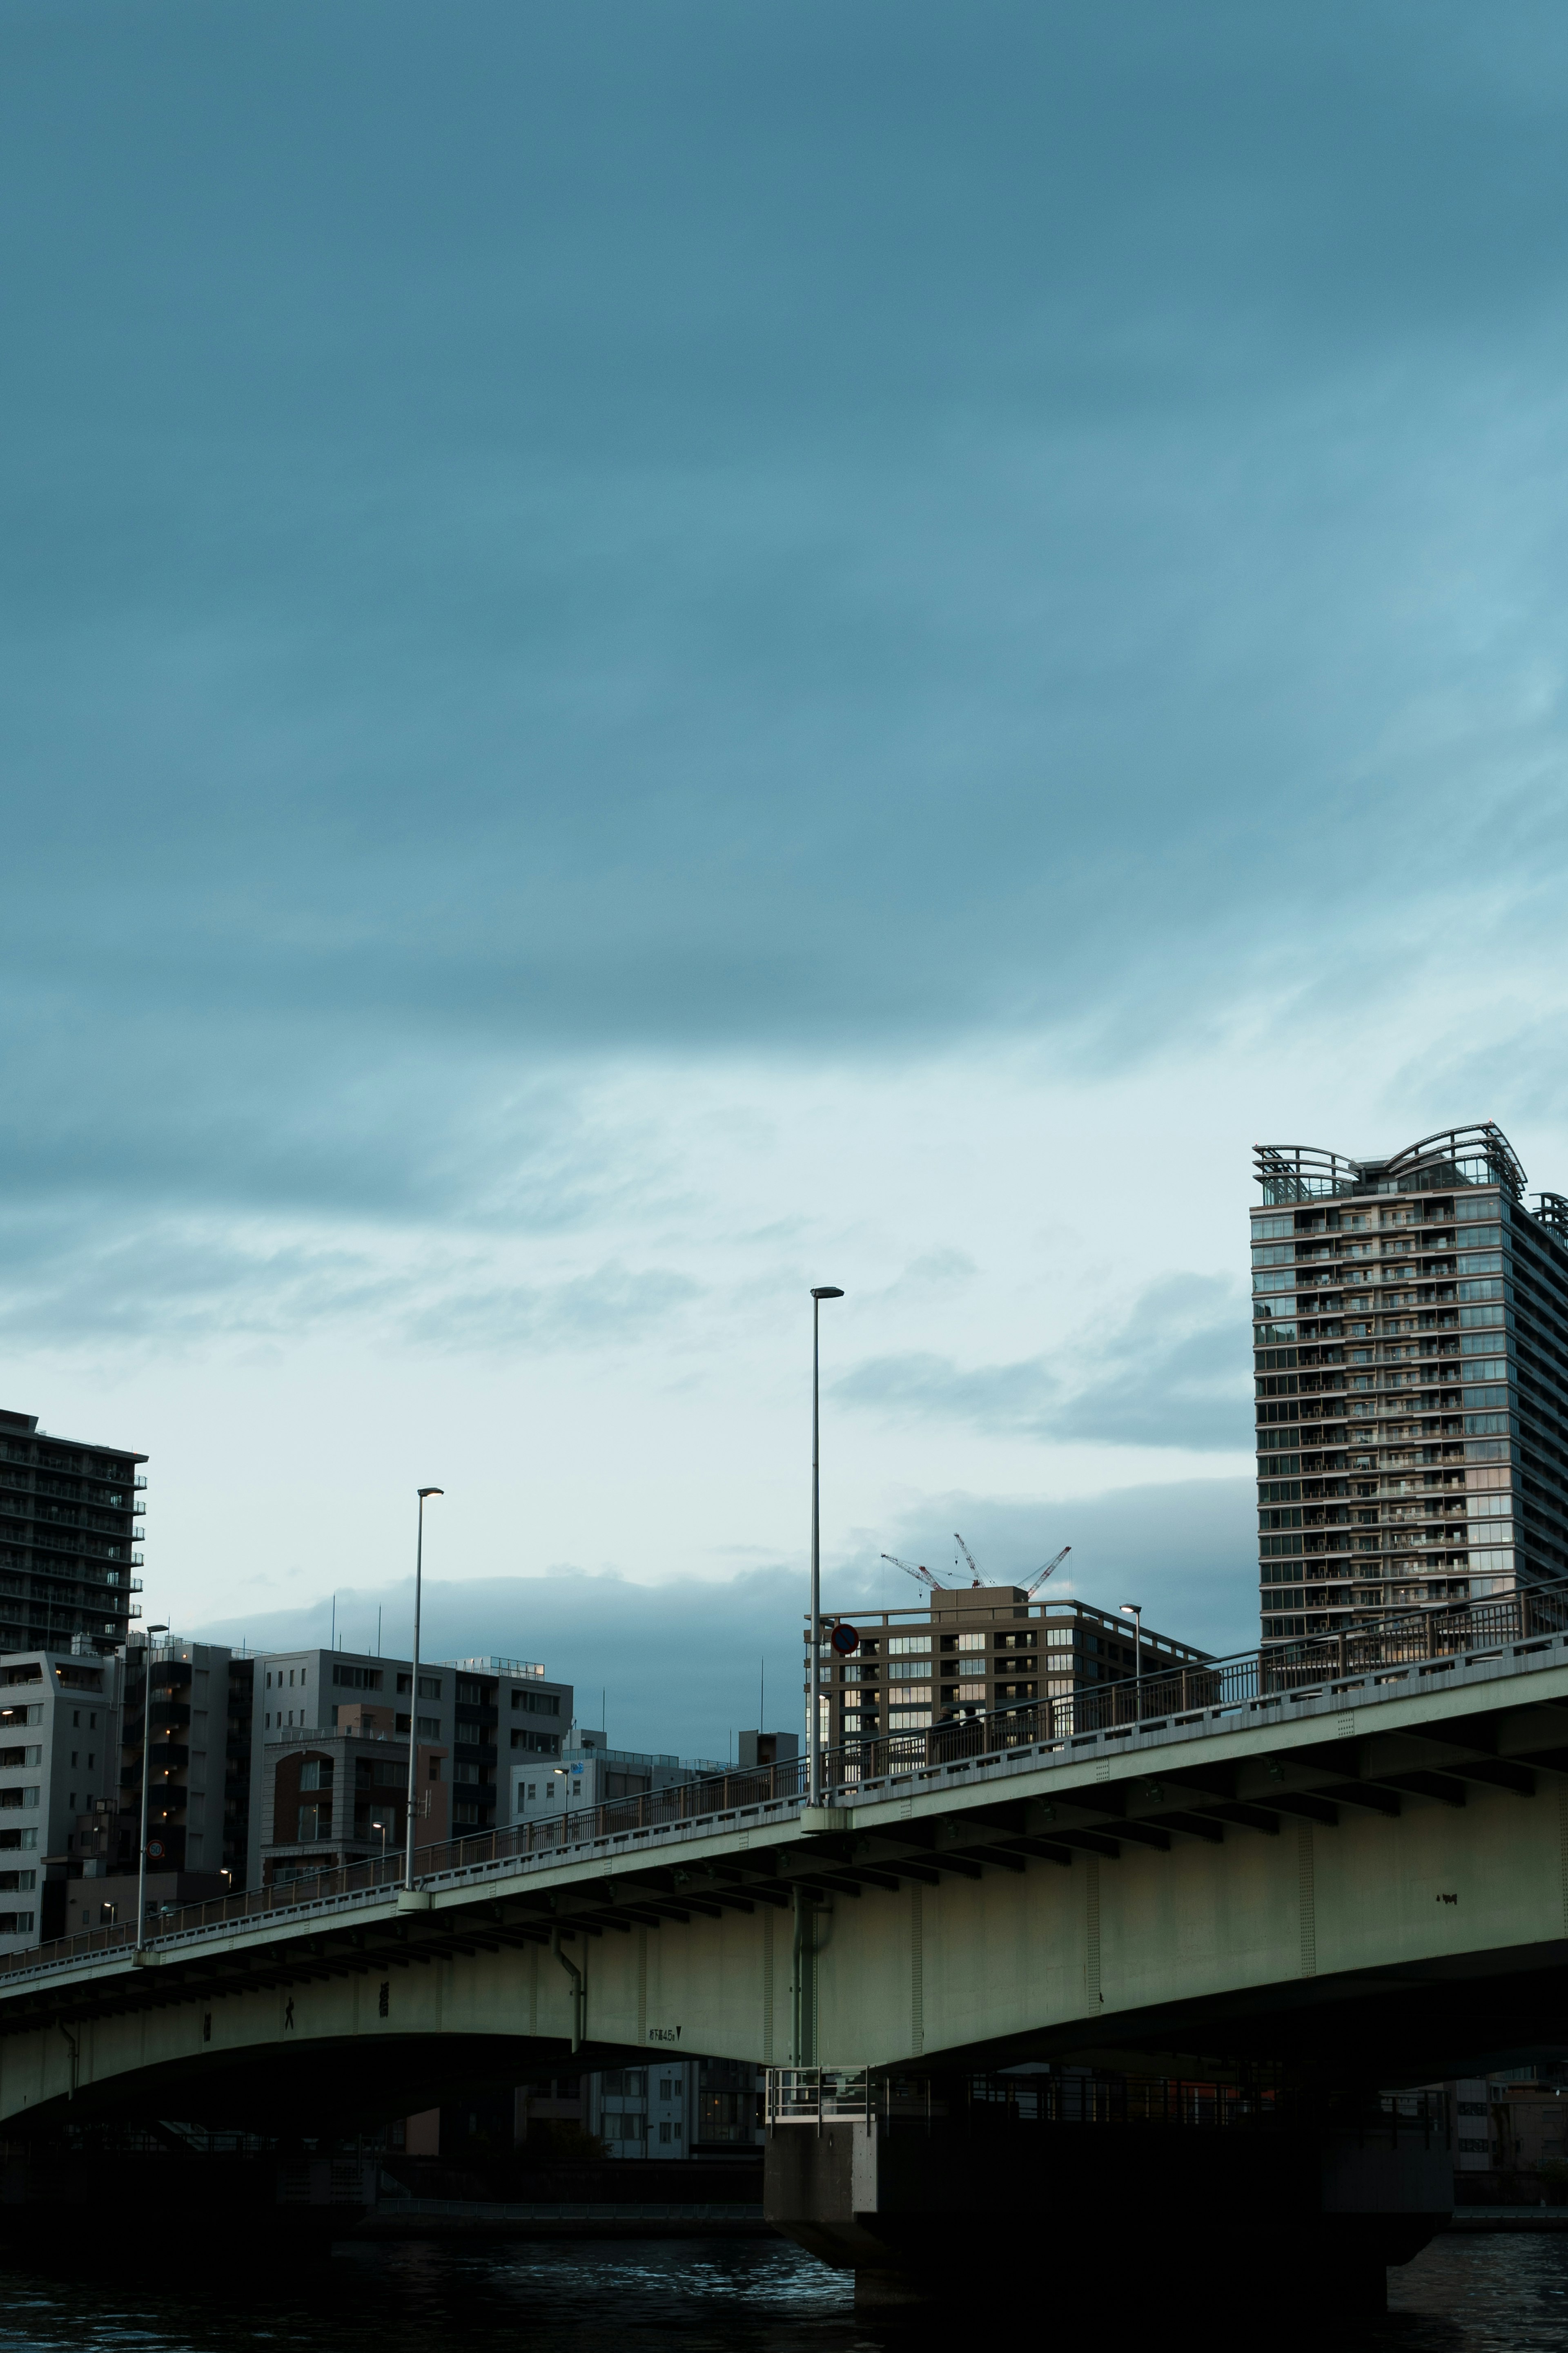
952,2203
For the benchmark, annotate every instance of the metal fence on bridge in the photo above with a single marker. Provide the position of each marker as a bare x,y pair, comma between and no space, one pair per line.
1162,1698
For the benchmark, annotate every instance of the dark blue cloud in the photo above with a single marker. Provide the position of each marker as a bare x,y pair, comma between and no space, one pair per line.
682,1662
542,532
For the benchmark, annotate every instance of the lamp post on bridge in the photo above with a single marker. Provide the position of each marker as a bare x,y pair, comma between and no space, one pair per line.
146,1763
813,1721
1134,1609
414,1690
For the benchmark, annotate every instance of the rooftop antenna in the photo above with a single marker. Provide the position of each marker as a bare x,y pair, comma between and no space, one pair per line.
1040,1574
923,1575
968,1556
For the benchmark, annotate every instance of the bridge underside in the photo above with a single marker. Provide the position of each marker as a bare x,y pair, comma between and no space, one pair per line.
328,2087
1471,2014
1377,1896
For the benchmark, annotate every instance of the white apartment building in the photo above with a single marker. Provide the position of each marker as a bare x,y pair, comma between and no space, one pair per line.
59,1761
676,2107
588,1774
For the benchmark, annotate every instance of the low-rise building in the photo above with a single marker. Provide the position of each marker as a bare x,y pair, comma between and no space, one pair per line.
335,1798
332,1734
1511,2137
482,1711
972,1650
676,2107
587,1772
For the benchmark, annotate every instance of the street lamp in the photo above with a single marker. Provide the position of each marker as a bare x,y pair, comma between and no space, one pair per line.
146,1758
1134,1609
413,1688
381,1828
814,1723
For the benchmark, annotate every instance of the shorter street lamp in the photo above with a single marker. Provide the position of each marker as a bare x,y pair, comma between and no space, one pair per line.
1134,1609
146,1760
820,1291
424,1494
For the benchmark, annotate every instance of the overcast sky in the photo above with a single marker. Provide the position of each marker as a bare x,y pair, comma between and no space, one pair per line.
658,652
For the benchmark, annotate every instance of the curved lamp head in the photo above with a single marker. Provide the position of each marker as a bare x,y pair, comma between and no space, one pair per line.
430,1491
154,1630
826,1291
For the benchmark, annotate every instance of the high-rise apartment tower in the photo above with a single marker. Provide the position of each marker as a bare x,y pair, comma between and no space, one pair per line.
1410,1325
70,1526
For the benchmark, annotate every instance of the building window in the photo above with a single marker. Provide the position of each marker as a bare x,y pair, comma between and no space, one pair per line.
537,1703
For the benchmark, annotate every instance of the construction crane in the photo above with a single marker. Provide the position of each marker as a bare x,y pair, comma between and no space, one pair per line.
1036,1583
922,1575
969,1556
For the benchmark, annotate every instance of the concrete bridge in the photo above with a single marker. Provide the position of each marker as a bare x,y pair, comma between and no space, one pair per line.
1347,1873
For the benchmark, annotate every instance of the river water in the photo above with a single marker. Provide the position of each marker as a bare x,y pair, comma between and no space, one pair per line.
1495,2294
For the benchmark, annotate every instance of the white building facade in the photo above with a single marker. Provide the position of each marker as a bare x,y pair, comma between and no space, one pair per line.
59,1761
587,1772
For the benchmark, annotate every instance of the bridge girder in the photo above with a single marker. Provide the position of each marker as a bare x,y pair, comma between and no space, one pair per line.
1297,1890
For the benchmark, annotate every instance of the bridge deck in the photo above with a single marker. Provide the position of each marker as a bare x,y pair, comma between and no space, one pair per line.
747,1811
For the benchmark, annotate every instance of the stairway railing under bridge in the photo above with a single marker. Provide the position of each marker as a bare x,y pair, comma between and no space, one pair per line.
1164,1699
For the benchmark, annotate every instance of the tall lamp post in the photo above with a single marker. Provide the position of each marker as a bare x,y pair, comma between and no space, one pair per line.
1134,1609
413,1689
813,1721
146,1763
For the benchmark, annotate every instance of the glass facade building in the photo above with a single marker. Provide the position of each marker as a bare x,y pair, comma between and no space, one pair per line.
1410,1335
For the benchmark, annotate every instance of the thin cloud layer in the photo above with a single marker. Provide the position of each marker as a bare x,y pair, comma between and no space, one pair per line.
1176,1373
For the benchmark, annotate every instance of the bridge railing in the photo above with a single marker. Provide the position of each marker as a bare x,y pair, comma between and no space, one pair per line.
1421,1641
1248,1679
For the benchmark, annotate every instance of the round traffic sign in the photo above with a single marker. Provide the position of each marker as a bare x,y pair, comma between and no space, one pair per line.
845,1640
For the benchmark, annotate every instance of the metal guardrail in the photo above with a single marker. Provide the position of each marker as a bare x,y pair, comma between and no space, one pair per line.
1427,1640
817,2097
